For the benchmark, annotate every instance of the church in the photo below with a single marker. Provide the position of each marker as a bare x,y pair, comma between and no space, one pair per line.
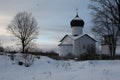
77,43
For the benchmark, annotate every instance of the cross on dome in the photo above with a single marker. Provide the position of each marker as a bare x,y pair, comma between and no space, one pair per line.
77,12
77,22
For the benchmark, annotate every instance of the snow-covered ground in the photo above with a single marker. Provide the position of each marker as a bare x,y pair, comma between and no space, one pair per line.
49,69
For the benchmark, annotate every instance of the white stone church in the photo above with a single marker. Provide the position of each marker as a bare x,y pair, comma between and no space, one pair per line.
77,43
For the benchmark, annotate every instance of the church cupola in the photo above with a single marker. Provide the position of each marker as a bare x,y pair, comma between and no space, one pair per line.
77,22
77,25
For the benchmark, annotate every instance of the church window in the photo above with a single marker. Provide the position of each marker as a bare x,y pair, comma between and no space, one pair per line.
83,46
76,35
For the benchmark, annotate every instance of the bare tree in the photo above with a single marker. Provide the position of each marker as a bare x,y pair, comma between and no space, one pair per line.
32,47
1,47
106,19
24,28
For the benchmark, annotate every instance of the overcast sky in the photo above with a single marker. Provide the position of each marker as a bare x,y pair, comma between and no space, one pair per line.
53,17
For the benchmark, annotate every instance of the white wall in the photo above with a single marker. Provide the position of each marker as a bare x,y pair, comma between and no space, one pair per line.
66,46
79,43
77,30
64,50
75,47
105,49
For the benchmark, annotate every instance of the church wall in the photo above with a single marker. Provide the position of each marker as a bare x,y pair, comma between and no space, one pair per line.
64,50
76,48
81,45
66,46
105,49
118,50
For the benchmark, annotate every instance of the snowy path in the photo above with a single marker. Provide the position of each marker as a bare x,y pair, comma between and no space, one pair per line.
48,69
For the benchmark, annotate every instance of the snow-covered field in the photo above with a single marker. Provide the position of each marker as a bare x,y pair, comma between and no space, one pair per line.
49,69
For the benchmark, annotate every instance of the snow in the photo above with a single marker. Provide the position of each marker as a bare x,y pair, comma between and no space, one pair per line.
48,69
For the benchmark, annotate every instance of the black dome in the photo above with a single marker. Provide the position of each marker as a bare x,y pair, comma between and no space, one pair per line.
77,22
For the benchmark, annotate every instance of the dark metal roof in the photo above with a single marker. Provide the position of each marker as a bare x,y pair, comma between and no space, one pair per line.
77,22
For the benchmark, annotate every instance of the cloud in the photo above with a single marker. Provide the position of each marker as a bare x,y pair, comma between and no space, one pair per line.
6,40
53,17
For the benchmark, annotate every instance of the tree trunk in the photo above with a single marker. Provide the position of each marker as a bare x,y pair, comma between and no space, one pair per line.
23,47
113,52
110,49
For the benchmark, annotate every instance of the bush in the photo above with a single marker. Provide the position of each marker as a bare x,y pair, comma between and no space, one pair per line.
86,56
1,49
68,56
27,65
117,57
38,57
12,56
50,54
20,63
28,60
105,57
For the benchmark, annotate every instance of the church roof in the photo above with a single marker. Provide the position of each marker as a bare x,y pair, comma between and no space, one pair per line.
76,37
65,44
88,36
77,21
64,38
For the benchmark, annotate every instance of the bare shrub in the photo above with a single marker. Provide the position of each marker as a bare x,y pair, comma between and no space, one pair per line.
28,60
